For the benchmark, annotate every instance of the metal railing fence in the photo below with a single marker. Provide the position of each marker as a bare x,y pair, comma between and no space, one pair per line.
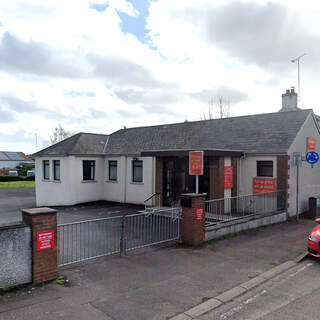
85,240
153,201
227,209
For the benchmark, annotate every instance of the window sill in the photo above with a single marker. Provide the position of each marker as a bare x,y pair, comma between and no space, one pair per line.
56,181
89,181
112,181
45,180
138,183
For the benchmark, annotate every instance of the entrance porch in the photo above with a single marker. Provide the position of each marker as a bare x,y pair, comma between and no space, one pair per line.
173,179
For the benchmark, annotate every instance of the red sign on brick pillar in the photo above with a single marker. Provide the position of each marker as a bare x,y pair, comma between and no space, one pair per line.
199,214
43,222
45,240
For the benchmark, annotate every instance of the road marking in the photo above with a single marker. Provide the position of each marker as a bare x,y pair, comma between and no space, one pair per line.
252,299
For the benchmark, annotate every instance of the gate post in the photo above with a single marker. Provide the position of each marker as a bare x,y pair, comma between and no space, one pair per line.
43,222
193,218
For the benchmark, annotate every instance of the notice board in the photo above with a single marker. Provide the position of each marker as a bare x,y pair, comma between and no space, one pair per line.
228,177
263,185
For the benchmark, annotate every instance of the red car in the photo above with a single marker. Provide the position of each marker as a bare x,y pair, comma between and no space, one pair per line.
314,241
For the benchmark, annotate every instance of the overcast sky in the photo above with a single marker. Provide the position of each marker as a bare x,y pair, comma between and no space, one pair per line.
99,65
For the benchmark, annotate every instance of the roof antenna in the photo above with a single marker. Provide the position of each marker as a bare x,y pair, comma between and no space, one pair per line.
293,61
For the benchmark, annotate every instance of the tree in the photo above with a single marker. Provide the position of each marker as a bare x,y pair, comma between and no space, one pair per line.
60,134
217,108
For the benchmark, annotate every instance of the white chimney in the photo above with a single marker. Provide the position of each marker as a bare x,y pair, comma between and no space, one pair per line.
289,100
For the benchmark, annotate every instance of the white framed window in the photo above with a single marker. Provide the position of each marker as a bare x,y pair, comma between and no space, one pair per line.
137,171
46,169
113,170
56,170
88,167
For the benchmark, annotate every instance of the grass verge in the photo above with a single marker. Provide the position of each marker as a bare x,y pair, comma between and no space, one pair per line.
17,184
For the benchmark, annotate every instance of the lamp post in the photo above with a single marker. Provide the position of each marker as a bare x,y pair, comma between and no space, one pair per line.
298,60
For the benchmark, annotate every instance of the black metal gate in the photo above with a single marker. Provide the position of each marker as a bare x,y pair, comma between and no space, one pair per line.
90,239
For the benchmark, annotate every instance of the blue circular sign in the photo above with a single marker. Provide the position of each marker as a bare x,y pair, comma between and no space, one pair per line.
312,157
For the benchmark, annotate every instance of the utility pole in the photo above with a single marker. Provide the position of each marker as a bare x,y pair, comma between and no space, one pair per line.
298,60
36,136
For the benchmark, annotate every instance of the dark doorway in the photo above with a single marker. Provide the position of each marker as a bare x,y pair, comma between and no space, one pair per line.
176,179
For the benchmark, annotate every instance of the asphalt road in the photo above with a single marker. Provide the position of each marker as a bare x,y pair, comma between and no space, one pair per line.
294,295
13,200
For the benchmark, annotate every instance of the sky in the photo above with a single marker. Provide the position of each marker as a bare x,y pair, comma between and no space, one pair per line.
99,65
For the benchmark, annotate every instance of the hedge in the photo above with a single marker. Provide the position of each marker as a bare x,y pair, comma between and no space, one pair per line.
14,178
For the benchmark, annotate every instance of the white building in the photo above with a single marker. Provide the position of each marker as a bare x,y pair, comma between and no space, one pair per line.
10,160
131,164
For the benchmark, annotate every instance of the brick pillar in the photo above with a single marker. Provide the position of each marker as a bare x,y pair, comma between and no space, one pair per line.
192,224
44,258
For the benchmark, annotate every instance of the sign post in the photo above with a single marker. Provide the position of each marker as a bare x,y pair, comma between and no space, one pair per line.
196,166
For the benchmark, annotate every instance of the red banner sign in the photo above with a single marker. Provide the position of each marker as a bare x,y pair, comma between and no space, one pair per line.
228,175
196,163
263,185
311,144
45,240
199,214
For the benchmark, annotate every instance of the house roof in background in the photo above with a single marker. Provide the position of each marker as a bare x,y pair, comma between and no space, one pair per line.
79,144
270,133
13,156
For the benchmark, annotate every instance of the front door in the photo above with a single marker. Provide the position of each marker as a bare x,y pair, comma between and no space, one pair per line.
168,182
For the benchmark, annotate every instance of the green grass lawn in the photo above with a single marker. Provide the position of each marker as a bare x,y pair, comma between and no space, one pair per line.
17,184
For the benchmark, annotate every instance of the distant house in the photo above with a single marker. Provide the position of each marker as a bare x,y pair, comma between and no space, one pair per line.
10,160
131,164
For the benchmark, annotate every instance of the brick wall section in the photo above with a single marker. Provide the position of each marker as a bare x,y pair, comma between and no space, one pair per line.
44,263
192,230
159,178
283,176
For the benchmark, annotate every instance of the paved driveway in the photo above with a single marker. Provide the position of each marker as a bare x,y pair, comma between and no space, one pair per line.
13,200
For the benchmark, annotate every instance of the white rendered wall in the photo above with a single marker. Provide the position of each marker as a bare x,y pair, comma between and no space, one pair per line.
137,192
90,190
309,178
71,189
248,171
114,190
50,192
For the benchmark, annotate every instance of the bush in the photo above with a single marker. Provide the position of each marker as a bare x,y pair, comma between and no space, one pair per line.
10,178
30,178
13,178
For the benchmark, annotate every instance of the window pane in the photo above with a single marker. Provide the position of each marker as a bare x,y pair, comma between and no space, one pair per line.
88,169
46,169
265,168
113,166
137,171
56,169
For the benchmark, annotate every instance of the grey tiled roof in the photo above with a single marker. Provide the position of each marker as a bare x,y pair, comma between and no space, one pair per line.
79,144
270,133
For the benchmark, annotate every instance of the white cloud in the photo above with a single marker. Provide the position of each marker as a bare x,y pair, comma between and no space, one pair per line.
65,62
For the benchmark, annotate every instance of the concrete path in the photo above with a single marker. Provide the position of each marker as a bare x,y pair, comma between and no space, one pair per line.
159,282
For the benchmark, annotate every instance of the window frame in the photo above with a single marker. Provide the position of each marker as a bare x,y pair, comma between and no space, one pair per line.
112,164
135,165
54,164
92,166
260,168
45,163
